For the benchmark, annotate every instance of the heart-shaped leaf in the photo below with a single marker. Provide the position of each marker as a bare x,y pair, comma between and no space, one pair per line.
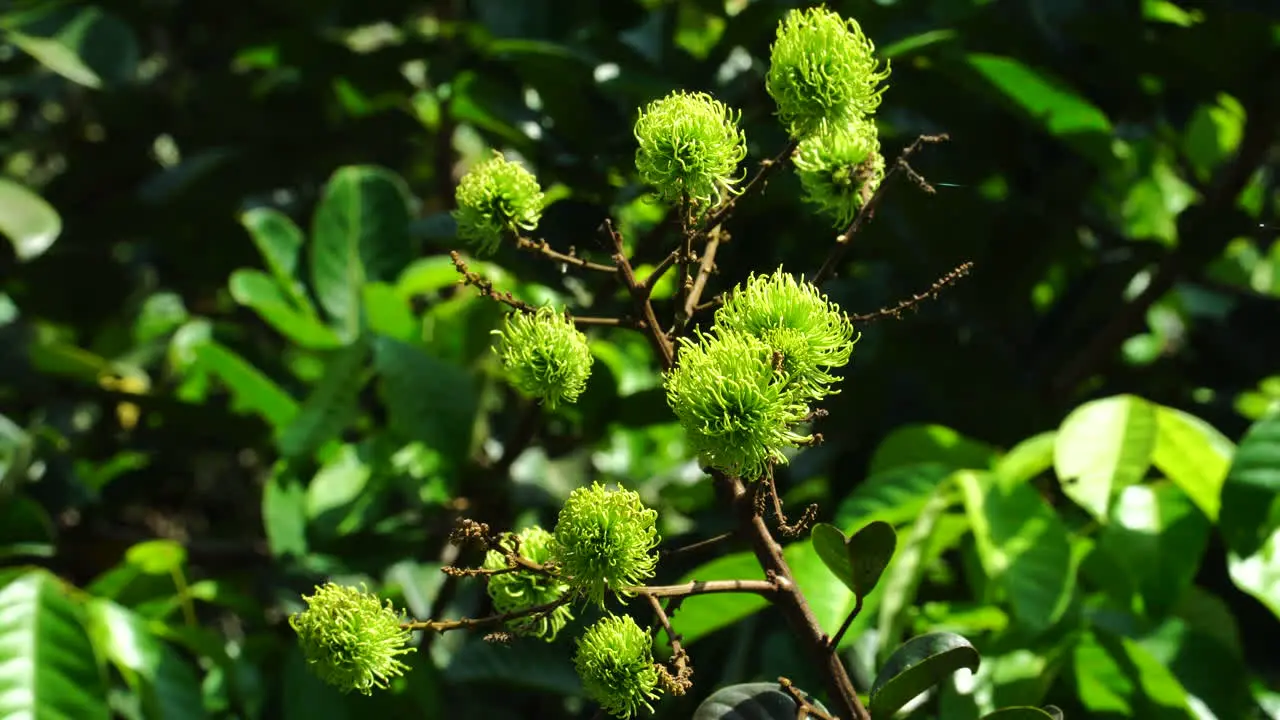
830,545
857,561
870,550
750,701
1022,713
918,665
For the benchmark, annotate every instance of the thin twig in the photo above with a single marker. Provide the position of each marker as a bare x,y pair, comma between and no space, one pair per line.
652,281
869,207
934,290
677,682
605,321
705,267
485,287
442,626
542,247
710,587
644,307
804,708
699,545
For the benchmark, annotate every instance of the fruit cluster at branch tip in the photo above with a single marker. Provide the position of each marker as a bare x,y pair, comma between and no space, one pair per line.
690,148
840,169
350,639
605,541
822,72
731,398
795,320
615,661
545,356
520,590
496,198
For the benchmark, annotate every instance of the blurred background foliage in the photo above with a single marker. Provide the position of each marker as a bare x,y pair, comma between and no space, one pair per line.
235,360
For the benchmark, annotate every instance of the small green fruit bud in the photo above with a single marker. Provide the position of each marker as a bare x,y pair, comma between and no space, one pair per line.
822,73
350,640
520,590
690,147
732,400
605,541
496,197
615,662
810,334
545,356
840,170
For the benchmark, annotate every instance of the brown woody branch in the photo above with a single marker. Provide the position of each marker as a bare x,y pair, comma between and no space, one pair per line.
543,248
934,290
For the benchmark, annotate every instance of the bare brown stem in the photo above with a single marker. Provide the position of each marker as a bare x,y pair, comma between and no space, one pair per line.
442,626
661,343
766,588
542,247
934,290
485,287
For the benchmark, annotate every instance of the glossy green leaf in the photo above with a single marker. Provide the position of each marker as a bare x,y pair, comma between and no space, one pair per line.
84,45
1060,109
1116,675
1027,459
1251,493
30,223
166,684
870,550
751,701
1019,713
1102,446
337,485
388,313
1023,548
360,234
331,404
427,398
284,513
923,541
47,664
251,390
261,293
894,496
1259,573
280,242
830,544
918,444
921,663
1191,453
1158,537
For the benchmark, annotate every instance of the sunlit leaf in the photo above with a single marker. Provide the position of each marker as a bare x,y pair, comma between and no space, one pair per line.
260,292
918,665
1060,109
1194,455
1102,446
29,222
1251,493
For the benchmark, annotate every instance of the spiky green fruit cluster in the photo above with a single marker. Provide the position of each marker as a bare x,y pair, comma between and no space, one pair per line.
615,661
606,541
827,84
741,391
496,198
350,639
690,148
519,590
545,356
823,73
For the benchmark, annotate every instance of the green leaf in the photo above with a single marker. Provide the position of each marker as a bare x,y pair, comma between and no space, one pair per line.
830,544
1259,573
29,222
279,241
1027,459
927,538
428,275
1116,675
1251,493
360,234
387,313
427,399
1213,134
870,550
1158,537
1022,546
157,557
1194,455
918,665
331,404
166,685
1019,713
917,444
261,293
751,701
894,496
47,664
284,513
337,485
534,665
84,45
916,42
1060,109
1103,446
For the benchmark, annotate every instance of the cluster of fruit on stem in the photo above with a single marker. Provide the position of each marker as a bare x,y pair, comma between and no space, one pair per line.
744,389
